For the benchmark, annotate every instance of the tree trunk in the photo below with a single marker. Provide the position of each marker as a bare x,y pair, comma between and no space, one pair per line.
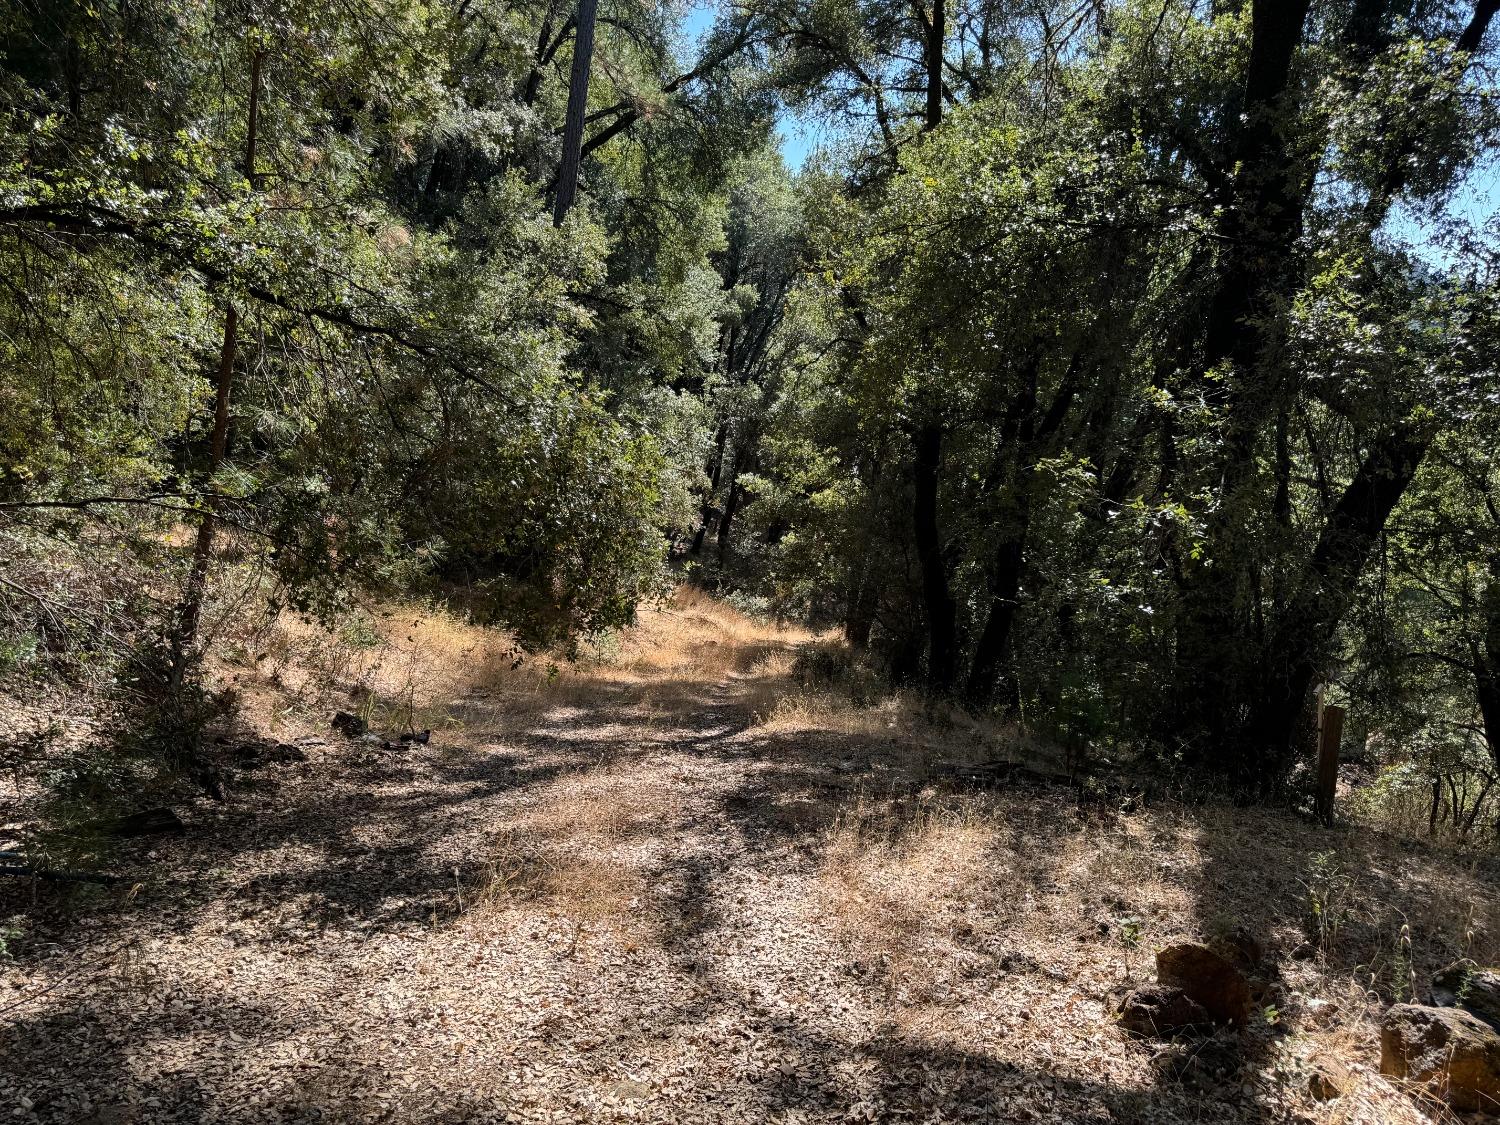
578,99
190,612
731,508
935,36
863,600
1487,664
992,653
715,469
1328,586
1261,225
942,613
732,502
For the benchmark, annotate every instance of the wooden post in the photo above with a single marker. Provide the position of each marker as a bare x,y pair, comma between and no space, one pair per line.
1330,734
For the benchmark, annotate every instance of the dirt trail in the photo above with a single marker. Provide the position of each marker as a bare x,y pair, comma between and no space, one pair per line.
643,905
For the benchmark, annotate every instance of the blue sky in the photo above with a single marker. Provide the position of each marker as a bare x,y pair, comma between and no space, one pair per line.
1477,200
798,138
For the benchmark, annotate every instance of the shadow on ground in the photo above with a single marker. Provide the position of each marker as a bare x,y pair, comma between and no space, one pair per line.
372,845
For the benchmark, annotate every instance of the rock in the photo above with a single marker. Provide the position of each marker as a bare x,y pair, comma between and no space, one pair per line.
420,737
350,726
1466,985
1304,952
1240,946
1158,1009
1329,1080
1208,979
1449,1047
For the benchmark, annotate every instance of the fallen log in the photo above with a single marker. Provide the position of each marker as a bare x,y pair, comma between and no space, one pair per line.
26,871
147,822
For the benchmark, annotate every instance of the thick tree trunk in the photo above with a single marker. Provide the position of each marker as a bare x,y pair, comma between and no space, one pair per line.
992,653
942,612
1328,585
731,509
937,598
1268,195
861,603
715,470
1487,665
732,502
1219,664
936,33
578,100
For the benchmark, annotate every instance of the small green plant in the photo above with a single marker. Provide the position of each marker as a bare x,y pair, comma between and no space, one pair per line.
1330,893
604,646
1130,932
1271,1014
358,632
10,931
1403,973
17,651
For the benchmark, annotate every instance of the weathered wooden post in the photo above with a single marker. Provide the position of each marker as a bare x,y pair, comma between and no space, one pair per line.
1330,734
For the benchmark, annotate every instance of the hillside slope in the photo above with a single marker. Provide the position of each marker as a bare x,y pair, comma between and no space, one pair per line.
672,882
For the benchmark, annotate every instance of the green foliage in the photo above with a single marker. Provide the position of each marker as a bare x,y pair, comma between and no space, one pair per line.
1117,399
1193,397
1330,891
429,384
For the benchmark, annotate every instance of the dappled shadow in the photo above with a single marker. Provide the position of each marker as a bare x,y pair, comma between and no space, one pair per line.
362,847
1349,901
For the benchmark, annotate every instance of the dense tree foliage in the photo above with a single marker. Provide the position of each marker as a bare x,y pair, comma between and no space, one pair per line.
1129,375
1121,367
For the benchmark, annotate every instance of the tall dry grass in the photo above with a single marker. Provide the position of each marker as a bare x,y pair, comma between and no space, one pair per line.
404,666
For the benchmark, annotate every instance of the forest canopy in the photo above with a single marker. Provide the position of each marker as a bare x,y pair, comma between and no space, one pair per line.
1123,368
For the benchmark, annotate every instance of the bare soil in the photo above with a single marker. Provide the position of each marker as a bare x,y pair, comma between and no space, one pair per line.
673,884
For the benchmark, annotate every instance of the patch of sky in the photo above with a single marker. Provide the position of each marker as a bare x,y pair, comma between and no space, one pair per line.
797,135
1439,235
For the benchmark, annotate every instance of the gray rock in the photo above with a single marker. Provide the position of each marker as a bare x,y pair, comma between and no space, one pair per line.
1466,985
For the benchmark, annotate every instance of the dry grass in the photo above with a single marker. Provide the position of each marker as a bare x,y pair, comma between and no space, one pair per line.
576,854
413,667
688,869
956,905
909,733
597,896
603,807
900,889
1072,903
